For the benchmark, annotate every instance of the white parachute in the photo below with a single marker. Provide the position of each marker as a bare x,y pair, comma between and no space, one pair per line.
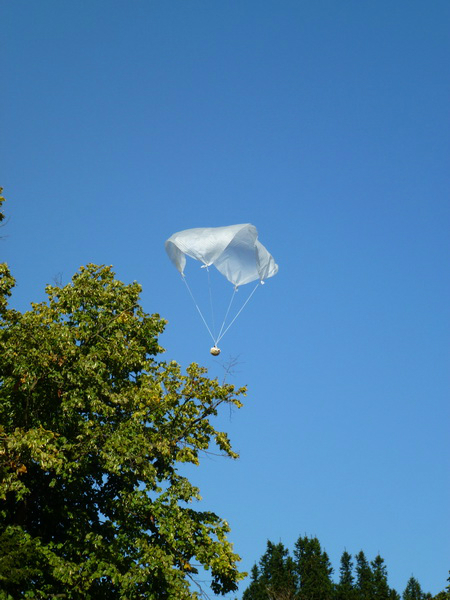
236,253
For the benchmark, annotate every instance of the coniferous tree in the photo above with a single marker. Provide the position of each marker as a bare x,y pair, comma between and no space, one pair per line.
364,577
345,590
255,590
413,591
381,589
308,577
314,570
274,578
445,594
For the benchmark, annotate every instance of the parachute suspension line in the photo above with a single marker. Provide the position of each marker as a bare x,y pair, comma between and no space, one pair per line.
183,277
211,304
226,314
239,312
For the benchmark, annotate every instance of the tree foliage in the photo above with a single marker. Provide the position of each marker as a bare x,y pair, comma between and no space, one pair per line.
413,590
364,577
2,199
314,570
93,431
345,590
380,588
308,576
275,577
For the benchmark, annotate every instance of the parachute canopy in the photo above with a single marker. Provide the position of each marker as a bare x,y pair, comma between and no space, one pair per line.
234,250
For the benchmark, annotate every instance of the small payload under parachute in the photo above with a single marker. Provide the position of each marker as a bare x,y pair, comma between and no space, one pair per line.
236,253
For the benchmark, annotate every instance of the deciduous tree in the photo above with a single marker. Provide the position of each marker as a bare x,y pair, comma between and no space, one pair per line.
93,430
2,199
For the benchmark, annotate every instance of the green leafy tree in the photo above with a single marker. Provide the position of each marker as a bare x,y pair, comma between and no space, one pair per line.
93,431
2,199
274,578
345,589
364,577
314,570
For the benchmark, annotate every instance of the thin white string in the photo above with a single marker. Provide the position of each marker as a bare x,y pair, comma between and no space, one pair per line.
183,277
226,314
241,309
211,304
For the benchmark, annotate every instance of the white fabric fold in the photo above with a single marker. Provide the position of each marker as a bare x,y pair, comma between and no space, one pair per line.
234,250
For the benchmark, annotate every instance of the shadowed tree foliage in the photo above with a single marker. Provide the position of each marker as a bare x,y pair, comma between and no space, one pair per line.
413,590
314,570
274,578
309,576
345,589
445,594
2,199
93,430
364,577
6,280
381,590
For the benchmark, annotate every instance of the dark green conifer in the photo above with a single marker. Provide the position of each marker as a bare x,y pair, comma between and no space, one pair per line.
274,578
381,589
345,589
364,578
413,591
314,570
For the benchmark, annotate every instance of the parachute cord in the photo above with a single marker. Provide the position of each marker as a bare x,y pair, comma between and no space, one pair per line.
226,314
211,304
197,307
241,309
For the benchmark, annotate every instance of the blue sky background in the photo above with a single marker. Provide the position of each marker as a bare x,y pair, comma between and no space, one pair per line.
325,124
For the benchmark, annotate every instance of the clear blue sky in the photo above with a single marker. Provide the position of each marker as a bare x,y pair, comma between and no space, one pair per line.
325,124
